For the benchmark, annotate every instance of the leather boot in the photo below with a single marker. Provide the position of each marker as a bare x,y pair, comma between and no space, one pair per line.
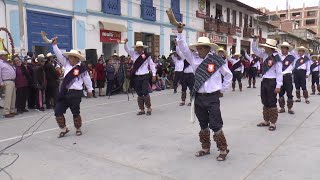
298,96
306,96
61,121
254,83
222,145
249,82
290,105
147,101
265,114
313,88
281,104
204,136
183,98
77,122
273,115
240,86
141,105
233,86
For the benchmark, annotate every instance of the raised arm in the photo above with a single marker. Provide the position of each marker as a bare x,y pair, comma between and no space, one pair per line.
247,56
184,48
180,53
258,52
128,50
59,55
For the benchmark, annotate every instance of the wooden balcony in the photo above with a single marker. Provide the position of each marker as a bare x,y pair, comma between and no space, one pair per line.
214,25
248,32
232,30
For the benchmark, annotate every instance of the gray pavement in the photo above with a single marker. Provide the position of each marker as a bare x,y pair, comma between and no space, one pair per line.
119,145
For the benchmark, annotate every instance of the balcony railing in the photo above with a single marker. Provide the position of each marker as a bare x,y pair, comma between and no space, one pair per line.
148,12
218,26
248,32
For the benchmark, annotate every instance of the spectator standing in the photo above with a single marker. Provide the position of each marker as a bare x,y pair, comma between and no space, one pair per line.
128,67
23,78
52,79
110,72
7,81
100,75
93,77
39,81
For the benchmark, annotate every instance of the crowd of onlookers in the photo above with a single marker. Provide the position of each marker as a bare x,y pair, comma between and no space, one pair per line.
37,78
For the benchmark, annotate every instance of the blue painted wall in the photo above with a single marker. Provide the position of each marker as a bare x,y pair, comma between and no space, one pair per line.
81,34
14,27
80,6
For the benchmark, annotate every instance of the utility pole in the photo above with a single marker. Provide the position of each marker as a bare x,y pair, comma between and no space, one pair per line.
21,24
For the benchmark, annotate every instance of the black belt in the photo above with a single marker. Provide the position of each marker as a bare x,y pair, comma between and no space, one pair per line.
208,94
73,90
288,74
9,80
142,75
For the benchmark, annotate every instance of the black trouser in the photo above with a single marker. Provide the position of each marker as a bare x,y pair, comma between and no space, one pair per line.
178,75
187,81
315,78
51,95
300,79
32,98
287,86
237,75
71,100
109,87
207,110
252,73
268,97
22,94
141,83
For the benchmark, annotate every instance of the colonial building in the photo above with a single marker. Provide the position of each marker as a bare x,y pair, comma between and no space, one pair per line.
95,26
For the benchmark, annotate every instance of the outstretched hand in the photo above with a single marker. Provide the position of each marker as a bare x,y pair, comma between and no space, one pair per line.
54,40
180,27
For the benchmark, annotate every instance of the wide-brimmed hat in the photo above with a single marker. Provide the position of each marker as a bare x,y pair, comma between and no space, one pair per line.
49,55
204,41
75,53
316,56
222,49
2,52
139,44
285,44
306,50
270,43
237,54
40,58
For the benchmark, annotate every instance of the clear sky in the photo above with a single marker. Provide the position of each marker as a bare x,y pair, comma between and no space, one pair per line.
272,4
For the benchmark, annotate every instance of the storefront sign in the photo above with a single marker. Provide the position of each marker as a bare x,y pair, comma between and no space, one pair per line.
218,39
201,13
109,36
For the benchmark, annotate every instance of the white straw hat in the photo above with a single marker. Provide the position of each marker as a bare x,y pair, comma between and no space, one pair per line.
204,41
139,44
75,53
285,44
270,43
306,50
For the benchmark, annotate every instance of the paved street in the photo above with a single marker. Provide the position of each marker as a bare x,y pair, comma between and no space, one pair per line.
118,145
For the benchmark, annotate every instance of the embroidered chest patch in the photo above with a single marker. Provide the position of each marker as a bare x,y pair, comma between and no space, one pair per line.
76,72
301,61
287,63
270,62
143,56
211,68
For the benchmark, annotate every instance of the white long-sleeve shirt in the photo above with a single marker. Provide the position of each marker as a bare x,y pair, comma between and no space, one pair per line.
234,61
187,69
77,85
250,58
143,69
178,63
316,68
214,83
305,66
275,72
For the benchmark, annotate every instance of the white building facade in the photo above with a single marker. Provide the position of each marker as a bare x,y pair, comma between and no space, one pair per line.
94,26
